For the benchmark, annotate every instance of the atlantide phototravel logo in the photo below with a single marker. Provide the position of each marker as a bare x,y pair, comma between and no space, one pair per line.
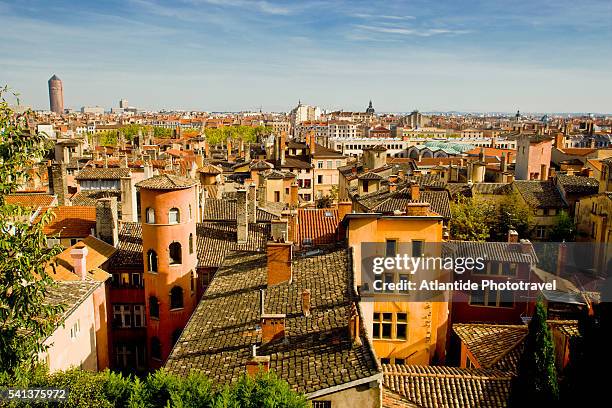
475,272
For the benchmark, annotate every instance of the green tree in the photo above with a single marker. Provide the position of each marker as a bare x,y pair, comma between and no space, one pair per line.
513,214
471,219
564,228
25,319
536,382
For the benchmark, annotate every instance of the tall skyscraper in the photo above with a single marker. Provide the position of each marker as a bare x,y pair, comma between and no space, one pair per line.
123,103
56,95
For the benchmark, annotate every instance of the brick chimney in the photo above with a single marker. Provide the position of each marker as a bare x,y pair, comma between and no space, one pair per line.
261,192
252,202
293,195
306,302
282,146
242,216
401,174
513,236
79,261
344,207
229,150
129,212
354,326
392,187
57,182
106,220
272,327
279,262
206,149
279,230
415,192
417,209
257,364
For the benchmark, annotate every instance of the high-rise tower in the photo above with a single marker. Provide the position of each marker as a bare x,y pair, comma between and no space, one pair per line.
56,95
170,259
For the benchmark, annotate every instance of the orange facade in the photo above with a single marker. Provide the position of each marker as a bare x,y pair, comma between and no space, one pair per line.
170,262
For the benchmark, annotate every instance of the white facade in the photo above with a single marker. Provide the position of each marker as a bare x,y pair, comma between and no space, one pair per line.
354,147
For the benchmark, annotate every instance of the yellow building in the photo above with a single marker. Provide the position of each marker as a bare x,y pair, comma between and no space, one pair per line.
402,331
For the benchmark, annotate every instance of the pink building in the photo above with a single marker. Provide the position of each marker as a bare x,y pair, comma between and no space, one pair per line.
533,154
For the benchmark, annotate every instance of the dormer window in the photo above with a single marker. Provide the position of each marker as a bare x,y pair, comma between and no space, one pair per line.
150,216
173,216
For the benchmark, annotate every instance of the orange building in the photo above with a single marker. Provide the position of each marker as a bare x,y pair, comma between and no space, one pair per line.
168,206
402,331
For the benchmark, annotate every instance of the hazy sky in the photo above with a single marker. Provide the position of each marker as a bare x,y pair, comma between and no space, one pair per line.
217,55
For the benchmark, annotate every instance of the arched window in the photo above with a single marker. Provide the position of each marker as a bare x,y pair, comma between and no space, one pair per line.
175,253
150,216
174,216
155,348
153,307
191,243
152,260
176,335
176,297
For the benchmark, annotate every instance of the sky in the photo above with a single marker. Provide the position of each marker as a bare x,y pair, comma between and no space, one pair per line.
232,55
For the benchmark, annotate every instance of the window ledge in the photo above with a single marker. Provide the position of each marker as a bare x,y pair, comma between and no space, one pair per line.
177,309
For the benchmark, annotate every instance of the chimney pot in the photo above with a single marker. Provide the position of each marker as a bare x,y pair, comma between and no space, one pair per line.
513,236
306,302
79,258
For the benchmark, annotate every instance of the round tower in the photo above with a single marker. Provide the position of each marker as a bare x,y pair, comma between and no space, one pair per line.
168,206
56,95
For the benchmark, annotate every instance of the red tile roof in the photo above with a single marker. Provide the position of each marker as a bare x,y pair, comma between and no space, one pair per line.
31,200
71,221
317,225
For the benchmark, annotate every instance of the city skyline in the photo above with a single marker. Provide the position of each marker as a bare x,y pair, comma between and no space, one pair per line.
234,56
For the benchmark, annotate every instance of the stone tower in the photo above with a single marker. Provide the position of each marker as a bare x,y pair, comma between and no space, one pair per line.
168,205
56,95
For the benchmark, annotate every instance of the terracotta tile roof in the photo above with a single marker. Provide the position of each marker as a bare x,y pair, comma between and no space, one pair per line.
578,151
323,152
317,353
167,182
540,194
31,200
448,387
61,267
89,198
216,239
388,202
213,241
391,399
294,163
566,327
490,343
492,188
261,165
491,251
369,176
317,225
111,173
595,163
210,169
225,210
71,294
71,221
578,184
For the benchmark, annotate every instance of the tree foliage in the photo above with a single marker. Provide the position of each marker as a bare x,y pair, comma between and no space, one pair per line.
25,319
472,219
564,228
513,214
536,382
162,389
247,133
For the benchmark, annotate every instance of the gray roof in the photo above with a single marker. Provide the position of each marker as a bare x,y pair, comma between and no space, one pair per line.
540,194
104,173
316,353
